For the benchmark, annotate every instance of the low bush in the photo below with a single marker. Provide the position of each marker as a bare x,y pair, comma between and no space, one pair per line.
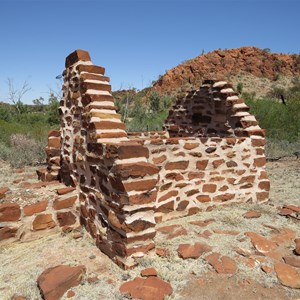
22,151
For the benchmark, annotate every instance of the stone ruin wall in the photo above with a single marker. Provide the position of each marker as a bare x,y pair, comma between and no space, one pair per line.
210,153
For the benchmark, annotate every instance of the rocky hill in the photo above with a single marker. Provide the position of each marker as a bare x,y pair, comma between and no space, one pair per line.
256,69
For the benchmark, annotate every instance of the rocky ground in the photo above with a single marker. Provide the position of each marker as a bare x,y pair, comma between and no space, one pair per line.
237,252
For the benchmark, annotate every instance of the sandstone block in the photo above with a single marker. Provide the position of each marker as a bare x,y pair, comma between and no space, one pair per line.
32,209
43,221
7,232
64,203
9,212
66,218
178,165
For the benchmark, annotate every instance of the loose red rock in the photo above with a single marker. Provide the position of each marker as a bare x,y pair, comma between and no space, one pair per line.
252,214
192,251
222,264
151,288
54,282
287,275
148,272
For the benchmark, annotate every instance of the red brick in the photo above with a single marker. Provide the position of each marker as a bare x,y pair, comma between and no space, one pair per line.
9,212
54,133
203,198
218,162
247,179
182,205
32,209
196,175
143,198
141,185
166,208
174,176
262,196
209,188
190,146
178,165
260,162
90,69
224,197
76,56
7,232
54,143
43,221
201,164
159,160
132,150
168,195
65,190
66,218
258,142
134,170
264,185
64,203
106,125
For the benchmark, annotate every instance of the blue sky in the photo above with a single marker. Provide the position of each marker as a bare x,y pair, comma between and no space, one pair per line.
135,41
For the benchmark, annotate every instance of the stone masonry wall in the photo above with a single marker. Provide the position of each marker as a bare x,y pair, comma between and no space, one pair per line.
116,183
58,213
197,174
210,153
213,110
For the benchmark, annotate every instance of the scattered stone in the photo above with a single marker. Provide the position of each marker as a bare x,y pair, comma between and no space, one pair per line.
172,231
287,275
151,288
202,223
261,244
54,282
17,297
222,264
77,235
267,269
228,232
148,272
192,251
162,252
70,294
292,261
92,256
297,248
205,234
252,214
243,252
92,280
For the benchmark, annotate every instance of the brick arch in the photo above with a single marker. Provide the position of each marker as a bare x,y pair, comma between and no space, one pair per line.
213,110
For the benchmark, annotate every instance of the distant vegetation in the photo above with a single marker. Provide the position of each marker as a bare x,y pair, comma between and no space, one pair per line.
281,120
24,128
143,111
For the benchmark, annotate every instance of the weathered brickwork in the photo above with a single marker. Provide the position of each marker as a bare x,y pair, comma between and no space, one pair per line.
211,153
59,213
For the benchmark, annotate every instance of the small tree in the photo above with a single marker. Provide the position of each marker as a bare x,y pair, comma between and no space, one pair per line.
15,95
239,87
53,105
154,102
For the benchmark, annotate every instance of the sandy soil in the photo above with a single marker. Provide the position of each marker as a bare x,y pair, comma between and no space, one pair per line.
21,263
